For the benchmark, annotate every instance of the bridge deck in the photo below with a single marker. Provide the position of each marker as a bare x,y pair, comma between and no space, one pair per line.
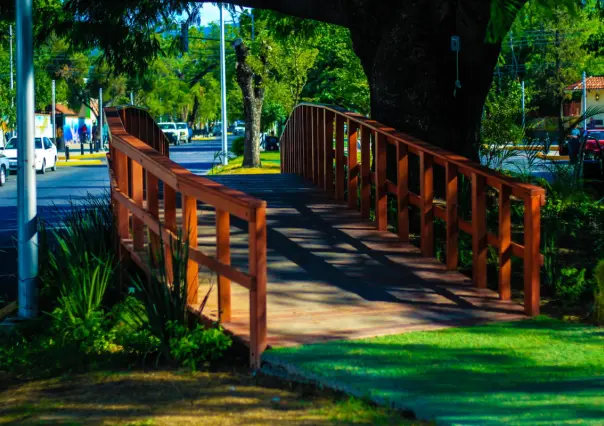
332,275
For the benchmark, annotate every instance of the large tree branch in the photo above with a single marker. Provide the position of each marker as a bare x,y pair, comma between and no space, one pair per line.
330,11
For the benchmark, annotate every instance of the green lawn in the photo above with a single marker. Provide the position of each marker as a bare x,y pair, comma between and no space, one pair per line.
538,371
271,164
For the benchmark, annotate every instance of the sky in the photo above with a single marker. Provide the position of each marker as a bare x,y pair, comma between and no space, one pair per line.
211,13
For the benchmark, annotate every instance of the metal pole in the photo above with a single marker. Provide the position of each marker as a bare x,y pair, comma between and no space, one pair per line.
253,26
101,116
225,148
12,82
54,113
584,101
131,98
26,178
523,104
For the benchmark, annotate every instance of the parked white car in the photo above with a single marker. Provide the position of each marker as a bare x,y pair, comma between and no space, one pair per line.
45,154
4,169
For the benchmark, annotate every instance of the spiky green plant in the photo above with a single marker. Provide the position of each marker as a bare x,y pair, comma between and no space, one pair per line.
599,296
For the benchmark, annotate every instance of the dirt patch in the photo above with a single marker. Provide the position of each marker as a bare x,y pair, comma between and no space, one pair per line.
181,398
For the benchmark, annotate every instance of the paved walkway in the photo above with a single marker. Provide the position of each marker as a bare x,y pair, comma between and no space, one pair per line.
331,275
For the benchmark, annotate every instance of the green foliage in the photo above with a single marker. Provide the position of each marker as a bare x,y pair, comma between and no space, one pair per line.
193,347
238,145
599,293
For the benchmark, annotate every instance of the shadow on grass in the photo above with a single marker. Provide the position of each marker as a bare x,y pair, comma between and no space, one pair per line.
529,372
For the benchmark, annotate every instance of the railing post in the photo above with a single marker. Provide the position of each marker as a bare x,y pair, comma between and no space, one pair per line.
321,147
532,256
479,231
505,244
138,229
314,145
121,172
402,188
299,161
189,224
257,262
426,164
170,225
353,172
452,217
339,157
381,196
223,255
365,172
328,130
153,208
308,143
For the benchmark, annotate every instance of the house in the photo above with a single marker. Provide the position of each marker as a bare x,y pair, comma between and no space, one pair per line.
595,97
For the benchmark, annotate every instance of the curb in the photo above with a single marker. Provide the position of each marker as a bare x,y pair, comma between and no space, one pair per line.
72,163
84,157
553,157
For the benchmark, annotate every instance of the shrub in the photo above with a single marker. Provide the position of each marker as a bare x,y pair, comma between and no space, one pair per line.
198,345
599,296
238,146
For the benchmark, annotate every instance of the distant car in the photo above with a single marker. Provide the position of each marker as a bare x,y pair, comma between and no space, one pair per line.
217,131
594,143
45,154
4,169
183,132
239,130
170,131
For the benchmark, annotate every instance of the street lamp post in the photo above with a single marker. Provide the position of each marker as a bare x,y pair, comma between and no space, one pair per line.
27,222
225,148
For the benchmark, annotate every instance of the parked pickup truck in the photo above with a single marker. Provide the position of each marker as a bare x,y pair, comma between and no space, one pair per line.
171,132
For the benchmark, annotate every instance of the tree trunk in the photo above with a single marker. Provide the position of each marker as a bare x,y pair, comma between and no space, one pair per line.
412,71
252,87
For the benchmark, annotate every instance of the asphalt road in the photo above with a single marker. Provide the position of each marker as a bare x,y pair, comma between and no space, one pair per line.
57,190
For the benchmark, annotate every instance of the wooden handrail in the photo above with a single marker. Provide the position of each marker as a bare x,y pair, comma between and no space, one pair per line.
136,169
313,144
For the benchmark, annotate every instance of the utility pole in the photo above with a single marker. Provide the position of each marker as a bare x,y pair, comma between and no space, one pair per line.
26,178
584,101
101,117
54,113
131,98
12,82
225,147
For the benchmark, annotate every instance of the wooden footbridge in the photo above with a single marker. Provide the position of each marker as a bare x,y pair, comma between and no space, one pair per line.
308,255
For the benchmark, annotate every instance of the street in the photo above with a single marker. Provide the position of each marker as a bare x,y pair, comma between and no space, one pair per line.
56,190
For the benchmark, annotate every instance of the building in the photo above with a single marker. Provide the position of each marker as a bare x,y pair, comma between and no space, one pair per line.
595,97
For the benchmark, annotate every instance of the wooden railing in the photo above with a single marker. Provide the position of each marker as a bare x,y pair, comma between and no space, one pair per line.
139,123
137,205
313,146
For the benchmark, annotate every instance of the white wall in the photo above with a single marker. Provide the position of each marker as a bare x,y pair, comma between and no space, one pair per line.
591,101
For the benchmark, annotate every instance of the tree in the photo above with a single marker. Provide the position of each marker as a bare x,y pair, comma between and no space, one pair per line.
403,46
251,74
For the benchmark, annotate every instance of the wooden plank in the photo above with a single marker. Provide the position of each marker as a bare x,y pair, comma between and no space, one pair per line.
427,204
329,153
452,217
365,172
138,228
532,240
189,205
402,191
381,196
321,147
169,224
353,172
315,145
257,265
339,157
223,255
479,231
307,143
505,246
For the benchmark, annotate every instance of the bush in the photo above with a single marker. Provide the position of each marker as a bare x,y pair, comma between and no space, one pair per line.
238,146
599,296
192,347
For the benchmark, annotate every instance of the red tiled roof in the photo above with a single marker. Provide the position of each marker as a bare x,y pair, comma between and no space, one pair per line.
62,109
596,82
